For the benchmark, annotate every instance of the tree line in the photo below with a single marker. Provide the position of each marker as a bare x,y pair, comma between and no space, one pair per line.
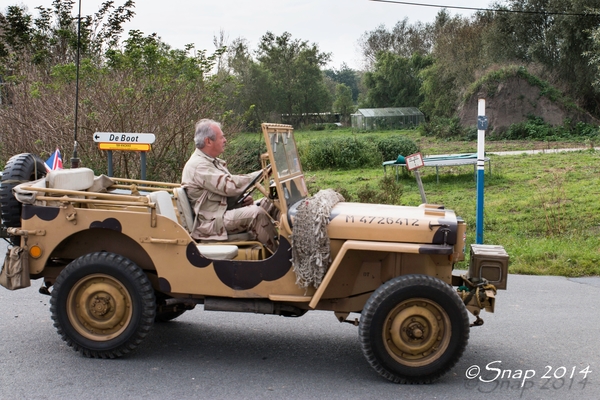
435,63
134,82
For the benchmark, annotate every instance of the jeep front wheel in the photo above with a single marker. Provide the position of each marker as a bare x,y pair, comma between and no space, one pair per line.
413,329
102,305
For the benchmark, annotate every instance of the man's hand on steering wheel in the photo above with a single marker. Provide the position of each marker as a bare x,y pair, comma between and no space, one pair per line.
248,201
245,199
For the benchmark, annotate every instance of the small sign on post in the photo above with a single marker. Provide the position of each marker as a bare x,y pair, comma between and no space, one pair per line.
125,142
413,163
118,137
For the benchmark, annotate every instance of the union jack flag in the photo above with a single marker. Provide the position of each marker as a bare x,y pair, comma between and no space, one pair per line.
55,161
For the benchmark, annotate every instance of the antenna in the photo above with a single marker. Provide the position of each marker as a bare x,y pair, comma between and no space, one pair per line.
75,159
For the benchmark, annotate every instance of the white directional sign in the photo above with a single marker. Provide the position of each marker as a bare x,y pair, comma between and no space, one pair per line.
119,137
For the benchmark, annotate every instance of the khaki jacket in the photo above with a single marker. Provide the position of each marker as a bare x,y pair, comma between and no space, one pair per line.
208,183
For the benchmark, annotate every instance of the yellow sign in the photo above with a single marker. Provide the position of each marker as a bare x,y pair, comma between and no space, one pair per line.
125,146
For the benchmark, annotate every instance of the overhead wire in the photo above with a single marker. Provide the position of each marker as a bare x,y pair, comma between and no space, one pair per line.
410,3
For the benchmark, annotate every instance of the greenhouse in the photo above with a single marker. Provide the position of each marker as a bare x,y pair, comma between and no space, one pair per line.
367,119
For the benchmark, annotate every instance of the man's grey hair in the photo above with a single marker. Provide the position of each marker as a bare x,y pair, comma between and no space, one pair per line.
204,130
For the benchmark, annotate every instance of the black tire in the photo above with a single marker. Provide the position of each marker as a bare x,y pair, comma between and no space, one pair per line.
413,329
103,305
20,168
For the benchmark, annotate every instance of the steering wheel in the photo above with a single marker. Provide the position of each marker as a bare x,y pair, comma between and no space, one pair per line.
235,202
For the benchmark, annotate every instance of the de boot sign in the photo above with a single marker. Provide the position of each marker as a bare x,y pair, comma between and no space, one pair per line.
118,137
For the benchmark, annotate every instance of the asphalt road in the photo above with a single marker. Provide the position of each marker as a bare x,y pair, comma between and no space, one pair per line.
538,345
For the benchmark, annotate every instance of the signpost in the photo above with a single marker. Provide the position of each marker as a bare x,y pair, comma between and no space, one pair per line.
414,162
482,125
125,142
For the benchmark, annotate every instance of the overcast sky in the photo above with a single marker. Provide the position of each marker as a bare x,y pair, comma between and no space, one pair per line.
335,25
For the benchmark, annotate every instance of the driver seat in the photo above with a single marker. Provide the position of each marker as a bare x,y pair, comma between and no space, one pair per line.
187,217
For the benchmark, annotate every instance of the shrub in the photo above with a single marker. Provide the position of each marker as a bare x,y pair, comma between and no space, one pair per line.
582,129
536,129
315,127
533,128
393,146
243,153
339,152
313,187
344,192
444,128
353,152
389,191
327,126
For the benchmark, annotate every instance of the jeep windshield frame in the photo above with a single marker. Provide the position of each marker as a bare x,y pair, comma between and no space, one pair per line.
285,154
285,161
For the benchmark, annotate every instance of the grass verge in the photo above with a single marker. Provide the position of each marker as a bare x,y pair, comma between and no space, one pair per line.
542,208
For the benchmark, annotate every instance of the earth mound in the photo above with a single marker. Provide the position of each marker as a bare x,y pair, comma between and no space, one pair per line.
514,96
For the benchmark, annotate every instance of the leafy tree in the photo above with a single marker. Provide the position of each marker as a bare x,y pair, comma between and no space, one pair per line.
250,91
457,56
403,39
295,70
343,103
15,33
145,86
395,81
458,47
438,91
594,56
51,38
552,35
347,76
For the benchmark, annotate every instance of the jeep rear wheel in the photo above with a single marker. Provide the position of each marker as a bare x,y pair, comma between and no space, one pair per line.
102,305
20,168
413,329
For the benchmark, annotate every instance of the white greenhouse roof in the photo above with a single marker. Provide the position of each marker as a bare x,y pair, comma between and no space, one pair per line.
389,111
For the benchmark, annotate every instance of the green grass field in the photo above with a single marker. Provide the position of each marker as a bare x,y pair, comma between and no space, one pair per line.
542,208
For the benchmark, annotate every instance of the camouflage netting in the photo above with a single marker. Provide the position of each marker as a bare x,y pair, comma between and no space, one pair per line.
310,242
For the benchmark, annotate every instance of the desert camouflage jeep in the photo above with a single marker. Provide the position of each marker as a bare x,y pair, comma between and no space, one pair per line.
116,256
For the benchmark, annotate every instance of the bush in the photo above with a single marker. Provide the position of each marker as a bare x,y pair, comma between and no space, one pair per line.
339,152
353,152
393,146
584,130
444,128
389,191
536,129
313,187
533,128
327,126
243,153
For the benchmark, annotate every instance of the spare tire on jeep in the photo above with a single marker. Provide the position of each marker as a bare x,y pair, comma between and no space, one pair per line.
20,168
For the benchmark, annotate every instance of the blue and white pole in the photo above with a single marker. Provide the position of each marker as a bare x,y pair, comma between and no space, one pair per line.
482,125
